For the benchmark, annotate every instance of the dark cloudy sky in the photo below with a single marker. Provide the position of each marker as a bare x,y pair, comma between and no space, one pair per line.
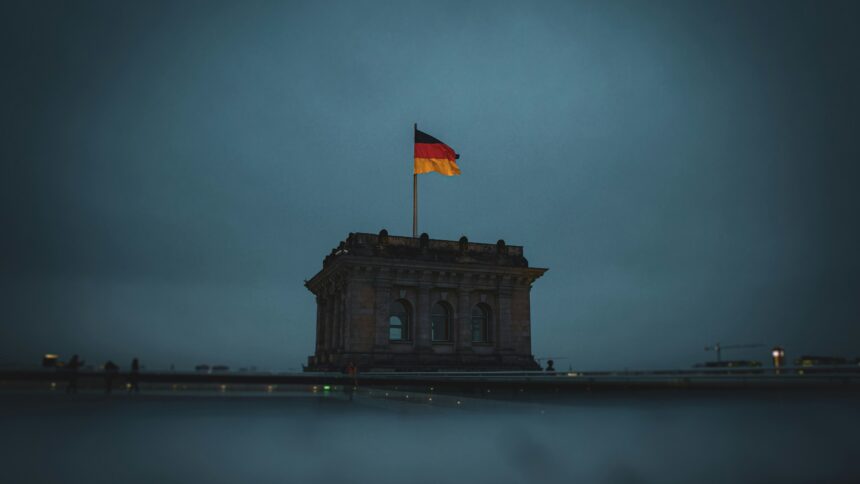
173,171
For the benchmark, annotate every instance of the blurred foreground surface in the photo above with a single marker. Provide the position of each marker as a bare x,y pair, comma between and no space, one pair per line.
382,436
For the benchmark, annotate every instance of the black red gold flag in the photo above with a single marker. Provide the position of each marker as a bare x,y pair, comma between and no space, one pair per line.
434,155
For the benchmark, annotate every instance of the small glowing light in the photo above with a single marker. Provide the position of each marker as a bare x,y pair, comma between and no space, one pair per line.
386,394
326,387
223,387
53,385
776,353
407,396
430,399
458,402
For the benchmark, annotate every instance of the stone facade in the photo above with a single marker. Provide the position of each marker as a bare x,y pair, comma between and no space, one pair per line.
463,306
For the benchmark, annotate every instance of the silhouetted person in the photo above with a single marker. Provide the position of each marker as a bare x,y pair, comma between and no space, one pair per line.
72,368
134,376
110,371
549,368
352,372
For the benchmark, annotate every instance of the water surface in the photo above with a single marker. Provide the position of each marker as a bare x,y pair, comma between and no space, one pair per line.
323,437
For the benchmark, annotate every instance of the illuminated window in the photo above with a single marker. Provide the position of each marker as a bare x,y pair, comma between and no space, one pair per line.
398,321
440,322
481,324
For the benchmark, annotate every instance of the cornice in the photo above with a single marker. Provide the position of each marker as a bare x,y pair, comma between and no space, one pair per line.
369,268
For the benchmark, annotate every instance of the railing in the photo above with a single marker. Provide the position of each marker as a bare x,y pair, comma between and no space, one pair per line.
799,376
788,371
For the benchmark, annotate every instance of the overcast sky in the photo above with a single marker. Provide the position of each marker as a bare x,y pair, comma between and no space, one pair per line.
173,171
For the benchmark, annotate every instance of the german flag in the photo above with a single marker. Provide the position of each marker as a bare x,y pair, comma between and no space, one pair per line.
434,155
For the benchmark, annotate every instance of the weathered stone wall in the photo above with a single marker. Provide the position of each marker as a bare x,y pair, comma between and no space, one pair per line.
521,318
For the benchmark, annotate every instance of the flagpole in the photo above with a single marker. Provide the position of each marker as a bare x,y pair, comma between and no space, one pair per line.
414,205
414,194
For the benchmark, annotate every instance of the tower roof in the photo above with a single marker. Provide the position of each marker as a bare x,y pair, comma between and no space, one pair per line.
426,253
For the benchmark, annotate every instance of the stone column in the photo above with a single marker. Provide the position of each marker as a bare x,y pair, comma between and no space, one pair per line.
504,317
338,321
382,305
347,319
334,325
422,317
524,338
320,324
464,319
329,325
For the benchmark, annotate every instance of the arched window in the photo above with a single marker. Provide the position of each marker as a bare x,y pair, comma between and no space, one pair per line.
481,324
440,322
399,321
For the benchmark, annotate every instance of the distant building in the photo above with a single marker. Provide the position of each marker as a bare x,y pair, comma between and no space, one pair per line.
807,360
404,303
729,364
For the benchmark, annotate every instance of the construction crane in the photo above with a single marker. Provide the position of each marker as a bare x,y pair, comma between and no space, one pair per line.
720,347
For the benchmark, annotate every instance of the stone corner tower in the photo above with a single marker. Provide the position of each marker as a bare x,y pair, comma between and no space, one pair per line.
402,303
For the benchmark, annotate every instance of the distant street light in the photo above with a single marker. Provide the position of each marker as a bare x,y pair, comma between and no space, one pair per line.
50,361
778,357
